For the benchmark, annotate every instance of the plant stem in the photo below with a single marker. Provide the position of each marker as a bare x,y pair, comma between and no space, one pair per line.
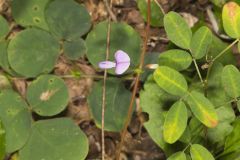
130,108
198,71
214,59
227,48
104,80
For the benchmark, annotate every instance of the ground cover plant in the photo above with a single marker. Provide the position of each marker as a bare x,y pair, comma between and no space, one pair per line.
78,81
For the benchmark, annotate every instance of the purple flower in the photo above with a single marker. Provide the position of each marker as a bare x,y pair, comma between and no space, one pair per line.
121,64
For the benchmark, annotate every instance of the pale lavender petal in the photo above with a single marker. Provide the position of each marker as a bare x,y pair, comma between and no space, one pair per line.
106,64
122,67
121,56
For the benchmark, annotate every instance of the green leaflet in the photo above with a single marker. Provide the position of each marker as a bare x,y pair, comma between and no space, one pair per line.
47,95
117,102
230,81
67,20
200,43
177,156
177,30
30,13
232,143
4,27
32,60
16,119
199,152
170,80
203,109
176,59
175,122
55,139
231,19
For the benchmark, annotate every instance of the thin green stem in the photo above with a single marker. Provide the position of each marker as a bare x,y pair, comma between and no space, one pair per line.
227,48
198,71
189,144
214,59
160,6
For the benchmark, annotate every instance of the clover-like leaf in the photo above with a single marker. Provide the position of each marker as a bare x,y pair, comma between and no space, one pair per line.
117,102
178,156
199,152
171,81
176,59
200,43
129,42
74,49
4,27
55,139
231,19
16,119
32,52
177,30
156,13
203,109
30,13
67,20
47,95
175,122
230,81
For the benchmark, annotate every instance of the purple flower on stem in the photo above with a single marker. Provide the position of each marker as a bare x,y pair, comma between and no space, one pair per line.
121,64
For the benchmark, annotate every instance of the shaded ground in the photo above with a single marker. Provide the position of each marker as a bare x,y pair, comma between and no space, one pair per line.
139,145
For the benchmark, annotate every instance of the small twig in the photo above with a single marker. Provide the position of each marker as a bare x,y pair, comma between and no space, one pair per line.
130,108
110,12
104,80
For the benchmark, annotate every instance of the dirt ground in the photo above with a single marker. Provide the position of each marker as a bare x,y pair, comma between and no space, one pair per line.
138,145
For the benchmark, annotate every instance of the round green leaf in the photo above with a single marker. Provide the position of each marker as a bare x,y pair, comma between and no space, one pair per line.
203,109
47,95
230,81
30,13
156,13
4,27
200,43
170,80
67,20
175,122
32,52
117,102
176,59
74,49
122,37
231,19
4,59
2,141
55,139
199,152
178,156
177,30
16,119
